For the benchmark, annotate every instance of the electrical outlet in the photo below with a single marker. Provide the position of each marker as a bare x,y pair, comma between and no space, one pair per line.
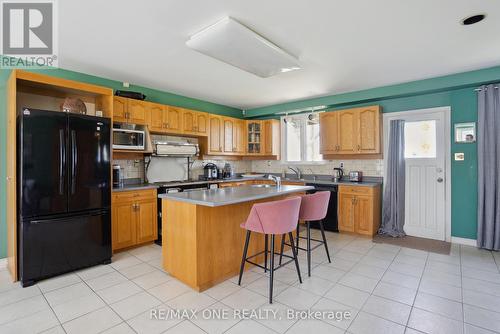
126,85
341,164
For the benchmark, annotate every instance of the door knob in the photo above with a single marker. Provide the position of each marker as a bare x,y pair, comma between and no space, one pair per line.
440,179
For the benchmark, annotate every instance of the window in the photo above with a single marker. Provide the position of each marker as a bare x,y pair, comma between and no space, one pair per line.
301,138
420,139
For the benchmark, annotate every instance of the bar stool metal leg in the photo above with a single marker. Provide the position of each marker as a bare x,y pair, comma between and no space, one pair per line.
324,240
266,240
271,271
282,248
295,252
308,249
244,257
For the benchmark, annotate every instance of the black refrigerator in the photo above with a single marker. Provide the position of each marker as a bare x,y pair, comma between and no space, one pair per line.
64,195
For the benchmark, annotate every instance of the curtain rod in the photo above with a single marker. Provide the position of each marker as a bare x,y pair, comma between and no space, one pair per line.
480,89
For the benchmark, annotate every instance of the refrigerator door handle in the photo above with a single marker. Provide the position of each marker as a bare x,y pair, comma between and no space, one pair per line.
62,161
74,157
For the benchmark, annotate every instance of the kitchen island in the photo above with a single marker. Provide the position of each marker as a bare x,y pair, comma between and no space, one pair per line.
202,238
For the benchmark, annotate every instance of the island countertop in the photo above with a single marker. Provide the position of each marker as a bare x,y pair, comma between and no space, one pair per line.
232,195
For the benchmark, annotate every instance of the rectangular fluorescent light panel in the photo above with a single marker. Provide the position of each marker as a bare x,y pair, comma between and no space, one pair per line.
233,43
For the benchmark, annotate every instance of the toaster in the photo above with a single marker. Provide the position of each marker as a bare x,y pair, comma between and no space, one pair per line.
356,176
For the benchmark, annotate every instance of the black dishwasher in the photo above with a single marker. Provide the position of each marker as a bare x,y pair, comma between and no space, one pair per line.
330,222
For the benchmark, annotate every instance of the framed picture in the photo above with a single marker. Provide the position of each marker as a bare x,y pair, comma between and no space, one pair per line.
465,132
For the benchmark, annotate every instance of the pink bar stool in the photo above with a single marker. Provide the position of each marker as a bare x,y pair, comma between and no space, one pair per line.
312,208
272,218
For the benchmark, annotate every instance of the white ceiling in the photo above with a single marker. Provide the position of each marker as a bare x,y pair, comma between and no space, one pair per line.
342,45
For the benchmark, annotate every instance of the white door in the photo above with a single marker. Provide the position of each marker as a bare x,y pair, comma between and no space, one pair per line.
425,155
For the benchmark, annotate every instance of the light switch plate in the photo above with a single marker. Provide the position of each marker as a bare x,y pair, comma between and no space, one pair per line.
459,156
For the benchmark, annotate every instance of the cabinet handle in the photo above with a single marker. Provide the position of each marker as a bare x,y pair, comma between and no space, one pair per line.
359,147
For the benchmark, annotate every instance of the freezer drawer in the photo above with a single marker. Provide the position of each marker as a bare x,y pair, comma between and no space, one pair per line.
48,247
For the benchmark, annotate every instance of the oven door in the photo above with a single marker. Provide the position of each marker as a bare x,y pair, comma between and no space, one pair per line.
128,139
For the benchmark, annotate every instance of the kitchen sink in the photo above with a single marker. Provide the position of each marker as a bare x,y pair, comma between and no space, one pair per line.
263,185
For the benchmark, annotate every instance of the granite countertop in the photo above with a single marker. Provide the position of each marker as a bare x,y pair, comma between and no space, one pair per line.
227,196
135,186
319,181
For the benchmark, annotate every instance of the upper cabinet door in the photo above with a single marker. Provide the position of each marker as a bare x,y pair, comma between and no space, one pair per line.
369,130
239,136
328,125
202,123
215,134
119,109
229,147
189,121
347,132
156,118
174,122
137,111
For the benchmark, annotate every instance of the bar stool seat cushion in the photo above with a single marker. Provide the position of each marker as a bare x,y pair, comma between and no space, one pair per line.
314,206
277,217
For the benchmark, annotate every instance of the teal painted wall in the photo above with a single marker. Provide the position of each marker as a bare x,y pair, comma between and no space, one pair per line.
152,95
463,104
453,90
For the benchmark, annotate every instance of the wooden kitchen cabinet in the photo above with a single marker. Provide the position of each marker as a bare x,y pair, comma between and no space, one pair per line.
351,132
194,122
254,137
359,209
158,118
119,109
347,132
328,129
134,218
123,224
147,227
215,135
130,110
239,136
369,130
271,134
228,128
174,119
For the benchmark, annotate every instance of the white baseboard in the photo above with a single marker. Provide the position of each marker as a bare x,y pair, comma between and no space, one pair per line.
3,263
464,241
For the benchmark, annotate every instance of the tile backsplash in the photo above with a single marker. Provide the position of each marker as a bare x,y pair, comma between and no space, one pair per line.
368,167
134,169
131,169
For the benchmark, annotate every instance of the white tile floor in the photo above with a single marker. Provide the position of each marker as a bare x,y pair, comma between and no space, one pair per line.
386,289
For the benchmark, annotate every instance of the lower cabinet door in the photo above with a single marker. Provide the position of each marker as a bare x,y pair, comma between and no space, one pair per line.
147,226
123,225
363,215
346,212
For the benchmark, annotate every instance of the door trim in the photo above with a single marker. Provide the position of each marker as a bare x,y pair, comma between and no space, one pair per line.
446,110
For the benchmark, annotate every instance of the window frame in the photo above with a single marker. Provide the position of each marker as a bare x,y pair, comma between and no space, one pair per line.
303,142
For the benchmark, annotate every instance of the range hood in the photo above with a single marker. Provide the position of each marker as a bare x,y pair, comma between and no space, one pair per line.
175,149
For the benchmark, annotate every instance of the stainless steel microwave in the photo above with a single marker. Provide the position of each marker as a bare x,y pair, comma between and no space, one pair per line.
124,139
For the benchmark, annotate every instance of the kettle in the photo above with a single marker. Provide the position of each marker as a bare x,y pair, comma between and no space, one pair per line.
338,173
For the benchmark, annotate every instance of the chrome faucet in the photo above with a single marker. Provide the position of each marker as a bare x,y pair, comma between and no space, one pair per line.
312,173
296,171
276,179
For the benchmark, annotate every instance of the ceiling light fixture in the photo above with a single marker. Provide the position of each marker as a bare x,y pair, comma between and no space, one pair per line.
233,43
473,19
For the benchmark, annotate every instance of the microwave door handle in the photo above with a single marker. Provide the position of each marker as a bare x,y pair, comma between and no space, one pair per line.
74,160
62,161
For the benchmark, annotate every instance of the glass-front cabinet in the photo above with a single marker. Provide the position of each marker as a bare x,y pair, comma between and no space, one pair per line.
255,135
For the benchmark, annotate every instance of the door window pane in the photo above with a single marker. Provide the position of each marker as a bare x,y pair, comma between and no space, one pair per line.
420,139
